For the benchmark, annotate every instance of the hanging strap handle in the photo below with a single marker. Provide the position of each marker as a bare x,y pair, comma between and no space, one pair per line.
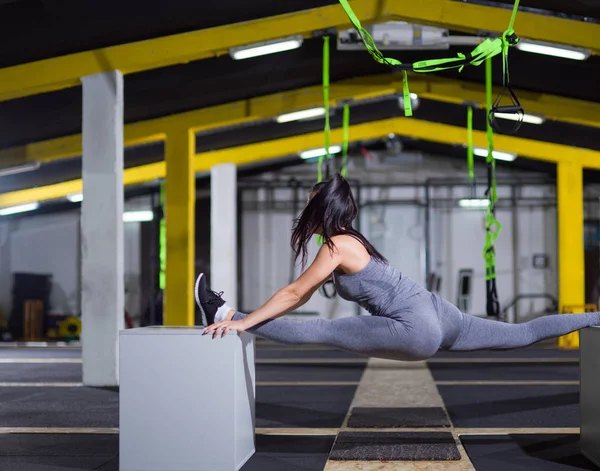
508,39
346,130
327,130
470,162
492,225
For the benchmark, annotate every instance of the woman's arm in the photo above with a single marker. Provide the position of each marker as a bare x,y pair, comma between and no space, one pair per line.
299,292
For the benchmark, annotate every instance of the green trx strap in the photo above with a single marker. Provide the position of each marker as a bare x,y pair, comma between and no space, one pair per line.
509,38
487,49
162,238
470,163
346,128
492,225
326,105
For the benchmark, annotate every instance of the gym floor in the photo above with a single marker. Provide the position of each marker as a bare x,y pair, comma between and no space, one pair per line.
323,409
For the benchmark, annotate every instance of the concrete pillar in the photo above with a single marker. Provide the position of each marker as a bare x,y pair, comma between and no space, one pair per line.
180,216
571,258
223,231
102,284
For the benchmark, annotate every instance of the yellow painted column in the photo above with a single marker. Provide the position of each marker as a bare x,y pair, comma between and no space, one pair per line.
180,205
571,259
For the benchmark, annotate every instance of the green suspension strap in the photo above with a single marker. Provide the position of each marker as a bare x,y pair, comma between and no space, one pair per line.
327,130
492,225
346,129
326,105
509,38
162,241
470,163
487,49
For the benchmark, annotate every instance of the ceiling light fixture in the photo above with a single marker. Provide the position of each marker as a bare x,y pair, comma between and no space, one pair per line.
266,47
138,216
302,114
75,197
19,169
556,50
498,155
312,153
22,208
526,118
474,203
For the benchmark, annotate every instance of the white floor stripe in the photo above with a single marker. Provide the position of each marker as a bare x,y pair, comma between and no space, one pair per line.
40,360
40,385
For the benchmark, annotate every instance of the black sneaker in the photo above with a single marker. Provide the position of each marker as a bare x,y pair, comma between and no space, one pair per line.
208,301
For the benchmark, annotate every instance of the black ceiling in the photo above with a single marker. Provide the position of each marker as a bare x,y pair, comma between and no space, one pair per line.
36,29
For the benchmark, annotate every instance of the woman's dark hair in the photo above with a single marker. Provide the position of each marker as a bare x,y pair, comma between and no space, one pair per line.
329,212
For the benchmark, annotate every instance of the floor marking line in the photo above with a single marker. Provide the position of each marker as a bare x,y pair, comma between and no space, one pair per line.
508,383
40,360
39,385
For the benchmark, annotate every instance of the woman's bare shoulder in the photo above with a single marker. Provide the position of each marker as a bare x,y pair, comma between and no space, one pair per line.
346,242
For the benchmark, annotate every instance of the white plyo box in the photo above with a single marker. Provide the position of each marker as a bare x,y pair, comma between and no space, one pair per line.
186,400
589,395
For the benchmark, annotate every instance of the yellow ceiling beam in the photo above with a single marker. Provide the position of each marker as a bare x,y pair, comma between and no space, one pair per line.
214,117
426,86
473,18
65,71
242,155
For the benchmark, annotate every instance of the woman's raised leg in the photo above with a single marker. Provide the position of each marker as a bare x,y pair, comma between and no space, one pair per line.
371,336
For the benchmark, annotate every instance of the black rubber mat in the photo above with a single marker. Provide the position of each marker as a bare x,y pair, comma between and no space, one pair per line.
309,353
516,353
289,453
58,407
505,371
302,406
526,453
53,452
41,372
512,406
407,417
81,452
390,446
309,372
39,352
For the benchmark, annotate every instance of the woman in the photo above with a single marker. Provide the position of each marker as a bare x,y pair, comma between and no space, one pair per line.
406,323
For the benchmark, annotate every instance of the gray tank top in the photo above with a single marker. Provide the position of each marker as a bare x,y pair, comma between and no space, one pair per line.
378,288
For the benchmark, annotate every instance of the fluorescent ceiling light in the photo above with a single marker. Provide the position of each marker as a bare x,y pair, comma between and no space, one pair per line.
498,155
267,47
22,208
19,169
75,197
138,216
474,203
309,154
302,114
527,118
555,50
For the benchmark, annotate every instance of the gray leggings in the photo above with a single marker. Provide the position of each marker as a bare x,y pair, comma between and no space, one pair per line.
426,324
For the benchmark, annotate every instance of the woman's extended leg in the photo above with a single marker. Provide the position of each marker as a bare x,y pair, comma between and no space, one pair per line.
484,334
371,336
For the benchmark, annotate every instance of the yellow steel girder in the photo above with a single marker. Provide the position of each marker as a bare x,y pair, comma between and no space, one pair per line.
66,71
180,217
244,111
473,18
571,267
241,155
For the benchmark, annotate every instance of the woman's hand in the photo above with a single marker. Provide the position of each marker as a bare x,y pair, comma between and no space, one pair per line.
225,326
